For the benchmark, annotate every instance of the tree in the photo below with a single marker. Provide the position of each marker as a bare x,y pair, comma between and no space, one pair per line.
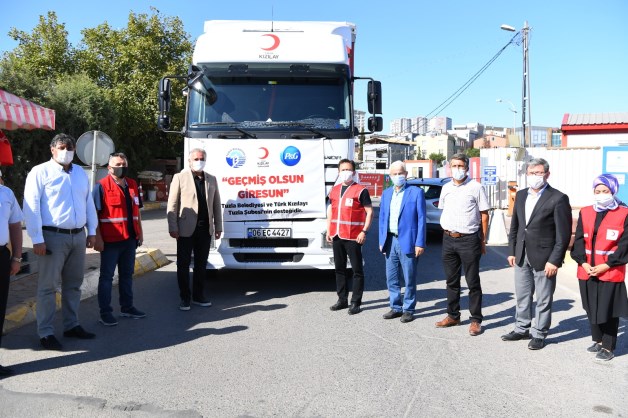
437,158
472,152
108,83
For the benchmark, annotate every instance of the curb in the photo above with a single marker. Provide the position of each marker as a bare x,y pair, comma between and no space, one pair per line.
146,260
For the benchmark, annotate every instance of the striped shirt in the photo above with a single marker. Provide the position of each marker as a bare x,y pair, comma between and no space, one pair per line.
461,205
395,209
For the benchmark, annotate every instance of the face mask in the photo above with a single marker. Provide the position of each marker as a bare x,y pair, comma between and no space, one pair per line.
345,176
398,180
120,172
458,173
603,200
64,157
536,182
197,165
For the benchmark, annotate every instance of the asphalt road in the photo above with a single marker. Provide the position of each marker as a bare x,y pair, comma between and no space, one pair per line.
269,346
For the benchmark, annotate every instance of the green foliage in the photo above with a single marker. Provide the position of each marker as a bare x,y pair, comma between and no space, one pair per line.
472,152
437,158
107,83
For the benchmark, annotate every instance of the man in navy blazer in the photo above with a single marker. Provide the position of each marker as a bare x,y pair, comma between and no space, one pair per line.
402,234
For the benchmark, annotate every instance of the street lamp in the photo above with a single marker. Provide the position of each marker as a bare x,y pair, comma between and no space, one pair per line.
514,113
525,95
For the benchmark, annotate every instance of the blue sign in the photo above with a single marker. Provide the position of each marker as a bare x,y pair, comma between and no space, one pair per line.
489,175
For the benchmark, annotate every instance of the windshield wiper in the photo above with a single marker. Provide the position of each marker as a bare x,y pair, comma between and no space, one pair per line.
246,134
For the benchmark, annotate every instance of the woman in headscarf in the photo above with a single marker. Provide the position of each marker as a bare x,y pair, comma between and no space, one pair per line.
601,251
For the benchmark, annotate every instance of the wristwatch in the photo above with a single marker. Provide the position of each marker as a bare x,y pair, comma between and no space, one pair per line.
18,259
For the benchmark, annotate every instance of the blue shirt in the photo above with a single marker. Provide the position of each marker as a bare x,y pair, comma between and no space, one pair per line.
10,213
395,208
59,198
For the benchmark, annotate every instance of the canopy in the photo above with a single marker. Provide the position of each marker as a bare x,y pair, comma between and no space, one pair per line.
19,113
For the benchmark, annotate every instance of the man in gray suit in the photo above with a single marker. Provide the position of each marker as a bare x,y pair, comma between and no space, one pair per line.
194,215
540,231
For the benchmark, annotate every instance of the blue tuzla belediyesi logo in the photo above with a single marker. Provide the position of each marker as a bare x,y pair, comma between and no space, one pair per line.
236,157
291,156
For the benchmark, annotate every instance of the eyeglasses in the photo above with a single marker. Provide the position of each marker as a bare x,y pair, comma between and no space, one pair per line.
537,173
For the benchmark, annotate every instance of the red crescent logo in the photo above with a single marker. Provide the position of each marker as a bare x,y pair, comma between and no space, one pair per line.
262,153
275,42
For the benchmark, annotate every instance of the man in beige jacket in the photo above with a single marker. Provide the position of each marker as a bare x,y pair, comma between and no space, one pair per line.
194,215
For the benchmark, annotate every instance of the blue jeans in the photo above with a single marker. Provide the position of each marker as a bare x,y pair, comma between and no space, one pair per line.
406,264
122,255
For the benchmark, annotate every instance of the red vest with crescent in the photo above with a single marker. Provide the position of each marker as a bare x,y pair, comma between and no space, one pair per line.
348,216
608,234
113,218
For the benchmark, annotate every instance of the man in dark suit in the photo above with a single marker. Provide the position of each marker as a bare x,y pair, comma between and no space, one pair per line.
540,231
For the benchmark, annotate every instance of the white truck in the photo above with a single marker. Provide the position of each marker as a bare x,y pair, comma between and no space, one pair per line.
272,105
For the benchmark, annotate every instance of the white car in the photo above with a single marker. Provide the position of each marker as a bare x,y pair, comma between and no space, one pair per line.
432,188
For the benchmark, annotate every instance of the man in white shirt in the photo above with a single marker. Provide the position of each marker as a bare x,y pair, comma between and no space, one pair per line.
465,226
10,232
57,207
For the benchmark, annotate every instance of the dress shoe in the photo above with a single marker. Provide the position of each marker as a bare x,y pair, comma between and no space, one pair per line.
341,304
448,321
596,347
50,342
392,314
536,343
515,336
354,309
78,332
407,317
475,328
5,372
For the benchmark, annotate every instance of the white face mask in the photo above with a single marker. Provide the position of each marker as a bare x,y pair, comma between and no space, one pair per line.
197,165
398,180
64,157
603,200
536,182
458,173
345,176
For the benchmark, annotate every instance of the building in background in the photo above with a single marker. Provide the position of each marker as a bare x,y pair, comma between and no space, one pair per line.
439,124
595,129
359,118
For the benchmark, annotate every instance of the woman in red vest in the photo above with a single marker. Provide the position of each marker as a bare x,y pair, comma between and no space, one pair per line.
601,251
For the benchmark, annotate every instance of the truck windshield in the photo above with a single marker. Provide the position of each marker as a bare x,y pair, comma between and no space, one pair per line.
266,101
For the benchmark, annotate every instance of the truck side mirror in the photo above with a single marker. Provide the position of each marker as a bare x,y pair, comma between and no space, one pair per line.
163,99
374,97
376,124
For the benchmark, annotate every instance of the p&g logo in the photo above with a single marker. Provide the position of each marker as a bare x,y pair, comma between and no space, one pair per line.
291,156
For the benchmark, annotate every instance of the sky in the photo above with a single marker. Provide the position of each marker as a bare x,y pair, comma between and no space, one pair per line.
423,51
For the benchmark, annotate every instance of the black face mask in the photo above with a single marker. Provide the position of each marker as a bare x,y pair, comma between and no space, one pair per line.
120,172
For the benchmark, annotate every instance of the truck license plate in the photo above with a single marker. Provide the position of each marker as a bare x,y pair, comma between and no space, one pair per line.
269,232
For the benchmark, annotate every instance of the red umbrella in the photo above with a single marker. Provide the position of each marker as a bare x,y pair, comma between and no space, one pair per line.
19,113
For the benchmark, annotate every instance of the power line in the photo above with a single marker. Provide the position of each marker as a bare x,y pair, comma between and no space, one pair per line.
449,100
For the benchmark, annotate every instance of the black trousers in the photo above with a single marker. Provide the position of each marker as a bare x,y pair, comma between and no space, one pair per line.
5,269
606,333
198,244
464,252
342,249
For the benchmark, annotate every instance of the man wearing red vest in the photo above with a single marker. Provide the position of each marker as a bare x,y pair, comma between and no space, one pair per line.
119,233
349,217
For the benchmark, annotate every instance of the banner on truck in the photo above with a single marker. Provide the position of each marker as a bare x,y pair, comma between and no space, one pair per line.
267,180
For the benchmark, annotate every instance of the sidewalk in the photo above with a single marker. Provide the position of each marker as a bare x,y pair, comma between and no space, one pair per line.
21,305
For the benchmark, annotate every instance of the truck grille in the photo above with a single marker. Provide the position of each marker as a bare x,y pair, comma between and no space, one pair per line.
267,243
268,257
